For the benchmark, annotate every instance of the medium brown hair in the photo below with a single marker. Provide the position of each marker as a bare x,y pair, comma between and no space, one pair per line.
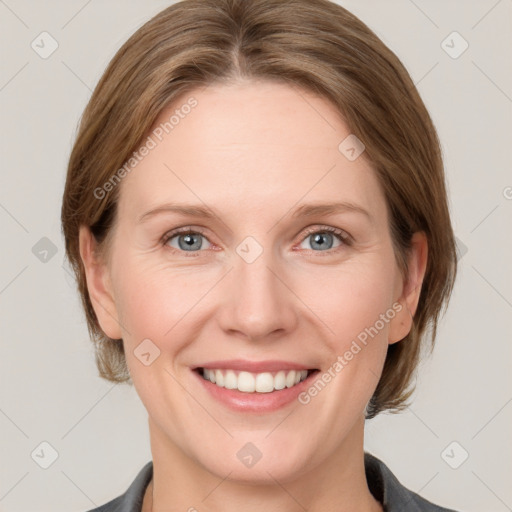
316,45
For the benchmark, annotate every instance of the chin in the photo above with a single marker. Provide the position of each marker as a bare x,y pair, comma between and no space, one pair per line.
252,463
262,473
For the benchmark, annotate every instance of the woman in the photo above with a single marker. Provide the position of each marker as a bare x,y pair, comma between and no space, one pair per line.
256,214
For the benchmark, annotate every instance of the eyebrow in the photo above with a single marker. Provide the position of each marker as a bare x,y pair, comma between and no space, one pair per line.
305,210
309,210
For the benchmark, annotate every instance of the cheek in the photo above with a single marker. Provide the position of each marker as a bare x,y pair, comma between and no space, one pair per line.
351,298
140,304
162,304
151,303
154,305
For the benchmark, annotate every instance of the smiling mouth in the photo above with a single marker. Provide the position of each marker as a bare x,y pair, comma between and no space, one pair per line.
249,382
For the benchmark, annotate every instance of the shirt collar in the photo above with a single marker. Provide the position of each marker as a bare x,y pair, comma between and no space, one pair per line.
382,483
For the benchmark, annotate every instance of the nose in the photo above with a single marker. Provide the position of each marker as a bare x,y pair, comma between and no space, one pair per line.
258,303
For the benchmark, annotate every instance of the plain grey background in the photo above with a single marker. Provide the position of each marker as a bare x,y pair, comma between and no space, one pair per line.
97,431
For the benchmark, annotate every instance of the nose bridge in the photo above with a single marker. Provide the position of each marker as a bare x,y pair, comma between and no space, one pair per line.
259,303
255,275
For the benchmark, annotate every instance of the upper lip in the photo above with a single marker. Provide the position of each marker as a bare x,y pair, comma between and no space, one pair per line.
253,366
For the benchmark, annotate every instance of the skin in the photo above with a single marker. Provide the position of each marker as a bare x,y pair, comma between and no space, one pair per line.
252,152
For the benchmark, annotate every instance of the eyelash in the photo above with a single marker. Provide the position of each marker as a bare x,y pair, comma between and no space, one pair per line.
343,237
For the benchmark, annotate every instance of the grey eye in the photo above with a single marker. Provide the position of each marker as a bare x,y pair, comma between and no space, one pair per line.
322,240
189,242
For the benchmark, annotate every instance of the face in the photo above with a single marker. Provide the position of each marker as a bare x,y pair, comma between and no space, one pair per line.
264,285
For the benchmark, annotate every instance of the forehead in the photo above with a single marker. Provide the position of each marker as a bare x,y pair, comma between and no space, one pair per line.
250,145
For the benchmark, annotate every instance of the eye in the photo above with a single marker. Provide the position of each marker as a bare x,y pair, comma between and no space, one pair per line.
187,239
323,238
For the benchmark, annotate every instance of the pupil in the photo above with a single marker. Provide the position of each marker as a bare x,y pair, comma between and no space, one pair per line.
319,239
189,241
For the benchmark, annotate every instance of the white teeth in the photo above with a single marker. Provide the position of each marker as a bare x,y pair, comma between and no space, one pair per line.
246,382
290,379
280,380
230,380
254,382
264,383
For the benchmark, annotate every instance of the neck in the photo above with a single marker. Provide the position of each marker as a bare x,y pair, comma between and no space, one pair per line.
181,483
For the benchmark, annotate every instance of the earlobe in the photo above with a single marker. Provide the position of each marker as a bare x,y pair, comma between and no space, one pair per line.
99,285
401,324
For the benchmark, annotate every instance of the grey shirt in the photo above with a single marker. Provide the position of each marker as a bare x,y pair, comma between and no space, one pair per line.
384,486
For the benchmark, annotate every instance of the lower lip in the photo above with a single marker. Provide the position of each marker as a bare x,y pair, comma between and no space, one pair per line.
255,402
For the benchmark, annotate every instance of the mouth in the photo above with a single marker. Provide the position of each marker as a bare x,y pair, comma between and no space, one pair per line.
255,383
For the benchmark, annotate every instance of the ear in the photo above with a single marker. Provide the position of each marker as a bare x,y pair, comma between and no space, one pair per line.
401,324
99,285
